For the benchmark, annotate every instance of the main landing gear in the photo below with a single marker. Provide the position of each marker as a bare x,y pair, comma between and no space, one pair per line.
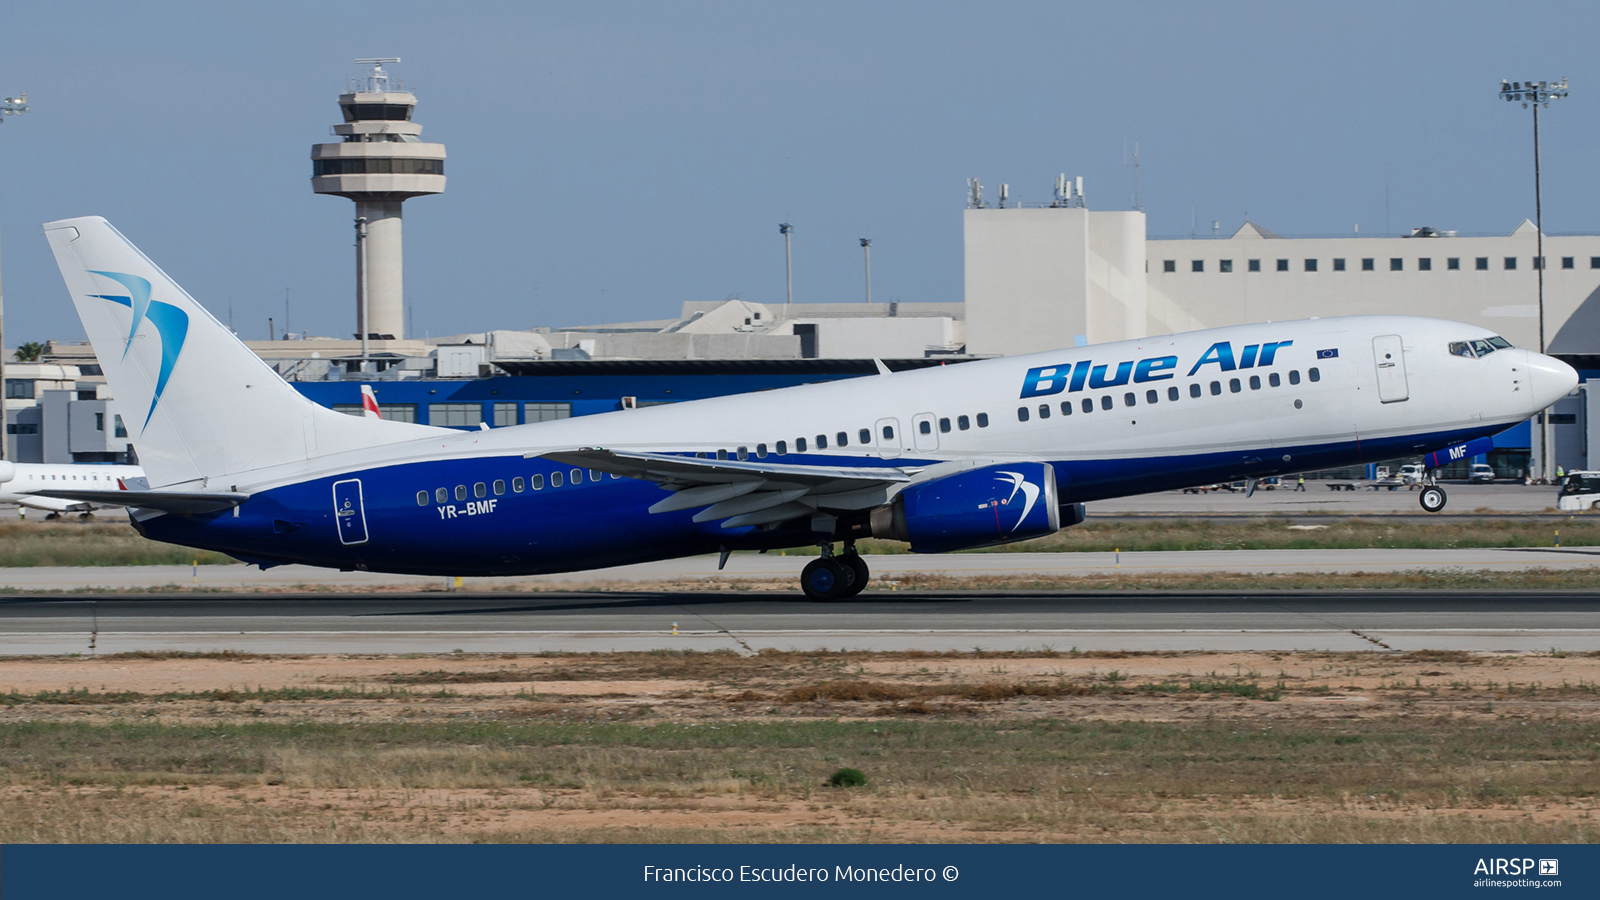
1432,498
830,577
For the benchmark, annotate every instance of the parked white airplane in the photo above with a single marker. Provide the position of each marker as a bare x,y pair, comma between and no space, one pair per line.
20,482
965,455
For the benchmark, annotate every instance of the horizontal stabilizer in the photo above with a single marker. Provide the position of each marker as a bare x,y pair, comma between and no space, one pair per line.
166,501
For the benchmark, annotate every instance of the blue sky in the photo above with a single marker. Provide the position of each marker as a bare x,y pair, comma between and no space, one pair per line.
608,161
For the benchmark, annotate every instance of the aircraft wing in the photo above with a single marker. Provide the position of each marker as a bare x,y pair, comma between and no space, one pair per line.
48,504
744,492
166,501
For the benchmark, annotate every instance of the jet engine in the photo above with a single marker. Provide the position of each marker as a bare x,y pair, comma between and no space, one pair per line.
980,507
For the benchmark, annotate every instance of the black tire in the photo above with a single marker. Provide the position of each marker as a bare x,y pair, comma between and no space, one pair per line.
824,580
859,572
1432,498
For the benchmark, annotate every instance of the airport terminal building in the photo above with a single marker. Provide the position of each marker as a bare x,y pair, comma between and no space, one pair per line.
1036,278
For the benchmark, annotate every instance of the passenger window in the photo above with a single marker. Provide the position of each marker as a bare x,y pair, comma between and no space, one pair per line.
1255,382
517,485
1194,390
761,451
422,498
866,436
441,495
1233,385
1274,380
944,425
1313,374
1172,393
1294,376
844,439
983,420
925,426
1044,410
594,476
701,455
555,479
1087,405
1216,388
822,442
962,422
499,486
1106,402
783,448
1128,399
461,492
1066,407
1022,414
743,453
888,432
1151,396
576,475
799,445
480,490
721,454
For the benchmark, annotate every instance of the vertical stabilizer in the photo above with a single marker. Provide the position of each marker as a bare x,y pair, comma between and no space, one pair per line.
200,404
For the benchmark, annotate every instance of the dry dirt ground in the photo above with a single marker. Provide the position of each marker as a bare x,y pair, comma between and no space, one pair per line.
1425,746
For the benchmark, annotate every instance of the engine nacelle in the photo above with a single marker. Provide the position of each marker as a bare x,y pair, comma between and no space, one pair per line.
8,471
978,508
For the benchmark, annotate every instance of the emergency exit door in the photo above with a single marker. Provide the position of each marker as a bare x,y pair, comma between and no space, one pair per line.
348,512
1390,359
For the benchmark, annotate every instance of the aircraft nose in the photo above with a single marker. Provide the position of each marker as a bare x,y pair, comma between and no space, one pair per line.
1550,379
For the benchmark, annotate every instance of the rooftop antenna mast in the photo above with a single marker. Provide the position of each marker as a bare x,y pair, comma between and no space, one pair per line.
377,81
974,194
1135,167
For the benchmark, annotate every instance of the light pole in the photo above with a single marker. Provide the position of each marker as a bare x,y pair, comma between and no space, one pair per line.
10,106
866,248
1537,94
361,274
788,259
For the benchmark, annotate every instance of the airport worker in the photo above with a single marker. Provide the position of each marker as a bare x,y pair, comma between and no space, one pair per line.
1300,484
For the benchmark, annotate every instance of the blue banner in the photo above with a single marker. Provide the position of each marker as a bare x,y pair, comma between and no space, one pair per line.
592,871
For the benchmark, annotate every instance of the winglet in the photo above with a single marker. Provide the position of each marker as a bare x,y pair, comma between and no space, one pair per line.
882,369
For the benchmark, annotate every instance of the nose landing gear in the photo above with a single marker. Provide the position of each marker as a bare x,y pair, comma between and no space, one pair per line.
1432,498
830,577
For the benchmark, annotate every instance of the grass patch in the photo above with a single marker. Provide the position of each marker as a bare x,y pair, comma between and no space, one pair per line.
73,543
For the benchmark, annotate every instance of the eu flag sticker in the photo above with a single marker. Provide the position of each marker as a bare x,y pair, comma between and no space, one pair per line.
1327,354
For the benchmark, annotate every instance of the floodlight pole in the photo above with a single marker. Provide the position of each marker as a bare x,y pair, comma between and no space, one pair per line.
1536,94
788,259
361,271
10,106
866,248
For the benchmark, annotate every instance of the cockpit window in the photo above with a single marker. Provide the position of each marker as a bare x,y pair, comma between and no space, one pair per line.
1499,343
1461,348
1482,348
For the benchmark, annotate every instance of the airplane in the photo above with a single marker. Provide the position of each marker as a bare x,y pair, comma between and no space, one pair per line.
966,455
21,482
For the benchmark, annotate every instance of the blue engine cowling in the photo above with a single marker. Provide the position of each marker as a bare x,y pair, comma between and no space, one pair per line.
977,508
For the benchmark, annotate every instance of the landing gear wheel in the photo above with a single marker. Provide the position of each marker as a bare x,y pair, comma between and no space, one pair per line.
1432,498
825,579
859,571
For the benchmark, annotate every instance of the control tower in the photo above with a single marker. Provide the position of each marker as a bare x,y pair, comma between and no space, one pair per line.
379,162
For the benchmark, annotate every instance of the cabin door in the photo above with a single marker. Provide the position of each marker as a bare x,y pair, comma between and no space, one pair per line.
924,435
1391,362
888,437
348,512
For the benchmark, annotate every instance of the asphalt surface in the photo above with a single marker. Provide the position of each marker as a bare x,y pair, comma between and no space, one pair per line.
744,622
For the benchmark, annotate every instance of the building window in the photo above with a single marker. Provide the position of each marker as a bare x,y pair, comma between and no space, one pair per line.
1563,418
377,165
1568,262
455,415
1538,262
1224,265
19,389
1311,265
99,421
1453,263
505,414
1594,262
117,428
1481,264
1368,264
983,420
1022,414
24,428
1424,265
1283,265
1397,264
1338,265
1511,262
1197,265
394,412
1254,265
545,412
1169,265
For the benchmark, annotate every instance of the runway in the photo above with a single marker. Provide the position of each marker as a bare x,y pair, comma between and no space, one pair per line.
746,622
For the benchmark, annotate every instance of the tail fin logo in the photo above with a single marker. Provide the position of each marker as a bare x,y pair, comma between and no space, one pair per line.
170,322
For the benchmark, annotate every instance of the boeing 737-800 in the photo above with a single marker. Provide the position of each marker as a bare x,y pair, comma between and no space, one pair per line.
984,452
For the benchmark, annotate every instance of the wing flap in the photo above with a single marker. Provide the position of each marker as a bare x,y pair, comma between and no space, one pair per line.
167,501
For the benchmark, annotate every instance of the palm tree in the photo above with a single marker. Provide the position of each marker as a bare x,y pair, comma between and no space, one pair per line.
30,352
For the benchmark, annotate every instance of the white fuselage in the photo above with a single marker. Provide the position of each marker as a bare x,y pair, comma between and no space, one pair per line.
27,478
